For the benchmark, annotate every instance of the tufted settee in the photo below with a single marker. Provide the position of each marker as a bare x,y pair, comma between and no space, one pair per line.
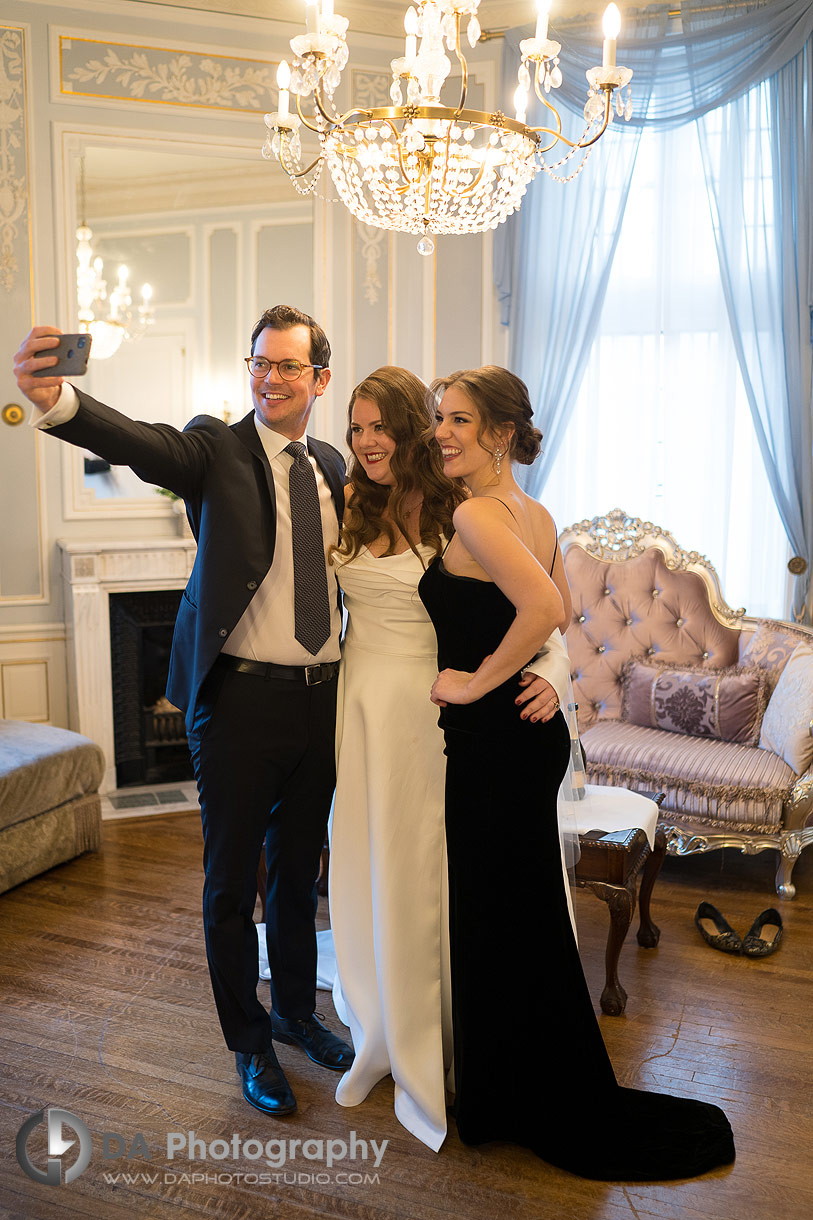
650,618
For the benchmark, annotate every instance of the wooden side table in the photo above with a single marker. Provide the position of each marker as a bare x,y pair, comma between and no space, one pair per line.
612,867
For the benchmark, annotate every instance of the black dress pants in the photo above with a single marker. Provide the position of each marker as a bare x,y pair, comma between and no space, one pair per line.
263,753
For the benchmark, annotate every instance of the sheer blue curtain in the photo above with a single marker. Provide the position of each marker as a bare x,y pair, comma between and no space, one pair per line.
759,172
720,59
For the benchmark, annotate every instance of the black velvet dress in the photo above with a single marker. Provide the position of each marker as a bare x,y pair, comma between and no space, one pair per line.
530,1063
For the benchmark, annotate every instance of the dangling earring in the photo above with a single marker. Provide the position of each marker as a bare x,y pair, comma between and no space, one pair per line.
498,456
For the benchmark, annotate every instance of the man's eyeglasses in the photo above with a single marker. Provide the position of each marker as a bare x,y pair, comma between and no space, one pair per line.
289,370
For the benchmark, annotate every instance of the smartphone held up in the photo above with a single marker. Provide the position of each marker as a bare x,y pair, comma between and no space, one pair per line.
72,355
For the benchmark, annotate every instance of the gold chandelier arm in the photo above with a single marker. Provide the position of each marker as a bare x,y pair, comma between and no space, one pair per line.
447,142
298,173
409,181
464,69
337,120
545,102
310,126
471,189
427,199
578,143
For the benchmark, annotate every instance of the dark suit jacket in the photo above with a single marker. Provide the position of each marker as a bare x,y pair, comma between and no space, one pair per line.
224,476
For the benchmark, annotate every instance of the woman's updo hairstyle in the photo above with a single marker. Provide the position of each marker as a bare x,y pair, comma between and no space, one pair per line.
504,404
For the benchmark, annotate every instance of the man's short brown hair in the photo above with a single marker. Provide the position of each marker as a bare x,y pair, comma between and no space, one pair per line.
285,317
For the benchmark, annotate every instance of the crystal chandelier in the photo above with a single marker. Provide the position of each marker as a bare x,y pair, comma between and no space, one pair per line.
419,166
108,316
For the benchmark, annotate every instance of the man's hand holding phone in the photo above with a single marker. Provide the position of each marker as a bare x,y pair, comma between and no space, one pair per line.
45,357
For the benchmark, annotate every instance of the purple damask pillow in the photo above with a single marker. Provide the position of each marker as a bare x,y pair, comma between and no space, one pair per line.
724,703
770,647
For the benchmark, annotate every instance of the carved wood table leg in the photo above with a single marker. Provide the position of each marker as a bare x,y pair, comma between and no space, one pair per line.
620,900
649,933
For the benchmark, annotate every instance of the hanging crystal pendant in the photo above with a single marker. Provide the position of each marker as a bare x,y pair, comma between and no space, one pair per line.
473,31
426,246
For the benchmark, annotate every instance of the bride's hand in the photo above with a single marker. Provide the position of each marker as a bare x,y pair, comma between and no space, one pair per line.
451,686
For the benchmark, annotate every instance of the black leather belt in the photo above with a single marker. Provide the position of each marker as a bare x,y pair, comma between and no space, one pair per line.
310,675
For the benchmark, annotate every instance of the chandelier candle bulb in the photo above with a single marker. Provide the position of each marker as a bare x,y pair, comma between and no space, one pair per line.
311,17
542,10
411,29
521,103
327,8
283,81
611,27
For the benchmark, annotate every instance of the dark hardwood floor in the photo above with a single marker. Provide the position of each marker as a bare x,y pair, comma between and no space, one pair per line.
106,1012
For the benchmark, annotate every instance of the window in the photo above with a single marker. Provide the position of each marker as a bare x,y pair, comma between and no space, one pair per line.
662,427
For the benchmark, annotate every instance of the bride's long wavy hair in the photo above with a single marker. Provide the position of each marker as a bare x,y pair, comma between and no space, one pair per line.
416,463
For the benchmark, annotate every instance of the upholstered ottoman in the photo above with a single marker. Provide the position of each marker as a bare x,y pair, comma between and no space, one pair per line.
50,810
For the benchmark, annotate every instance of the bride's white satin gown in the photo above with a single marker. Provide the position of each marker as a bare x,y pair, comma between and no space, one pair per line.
388,875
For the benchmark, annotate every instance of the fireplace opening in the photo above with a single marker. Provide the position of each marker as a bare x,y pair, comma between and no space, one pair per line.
149,733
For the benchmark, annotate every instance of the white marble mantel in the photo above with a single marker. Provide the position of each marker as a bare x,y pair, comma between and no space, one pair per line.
91,571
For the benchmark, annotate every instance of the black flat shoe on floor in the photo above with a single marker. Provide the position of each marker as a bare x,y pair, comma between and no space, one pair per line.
724,938
764,935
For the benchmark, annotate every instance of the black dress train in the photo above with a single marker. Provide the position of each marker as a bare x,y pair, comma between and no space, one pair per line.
530,1062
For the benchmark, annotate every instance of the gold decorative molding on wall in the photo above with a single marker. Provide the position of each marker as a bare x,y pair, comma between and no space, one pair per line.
13,194
12,414
130,72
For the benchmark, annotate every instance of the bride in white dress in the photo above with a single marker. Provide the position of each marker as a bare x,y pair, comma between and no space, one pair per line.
388,876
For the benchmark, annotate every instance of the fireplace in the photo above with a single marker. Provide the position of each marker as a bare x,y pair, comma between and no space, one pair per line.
93,574
148,732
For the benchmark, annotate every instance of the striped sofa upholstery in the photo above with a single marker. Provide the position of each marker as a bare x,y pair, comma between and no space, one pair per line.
638,595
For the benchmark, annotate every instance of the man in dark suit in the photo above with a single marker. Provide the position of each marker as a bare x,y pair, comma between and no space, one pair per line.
254,662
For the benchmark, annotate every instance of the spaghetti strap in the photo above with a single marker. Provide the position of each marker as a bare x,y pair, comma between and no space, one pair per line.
499,501
553,561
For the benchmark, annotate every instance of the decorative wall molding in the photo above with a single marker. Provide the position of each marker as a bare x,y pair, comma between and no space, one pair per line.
13,159
32,673
23,579
108,69
373,245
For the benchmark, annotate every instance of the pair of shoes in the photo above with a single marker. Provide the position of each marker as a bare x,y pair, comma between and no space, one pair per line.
318,1043
725,938
755,943
264,1083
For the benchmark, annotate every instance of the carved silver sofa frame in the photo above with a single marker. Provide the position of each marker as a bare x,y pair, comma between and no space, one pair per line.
617,539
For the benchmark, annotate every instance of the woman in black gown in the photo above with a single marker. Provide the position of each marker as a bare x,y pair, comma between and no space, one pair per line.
530,1062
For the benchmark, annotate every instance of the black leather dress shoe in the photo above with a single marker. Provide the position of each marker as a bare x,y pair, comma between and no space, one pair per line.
318,1043
264,1083
723,937
764,935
